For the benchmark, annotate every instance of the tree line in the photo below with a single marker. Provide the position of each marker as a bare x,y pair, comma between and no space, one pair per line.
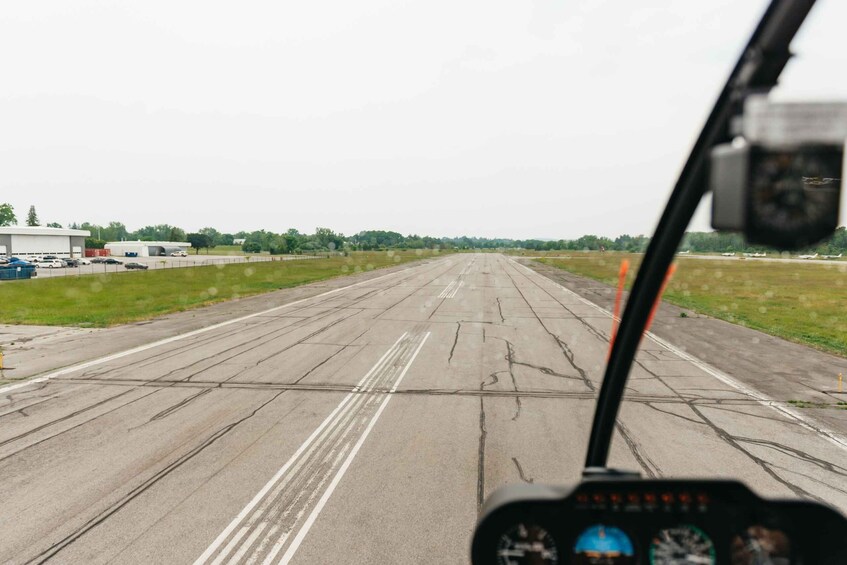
293,241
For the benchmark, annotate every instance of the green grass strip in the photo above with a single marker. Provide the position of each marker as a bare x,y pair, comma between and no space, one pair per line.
103,300
797,301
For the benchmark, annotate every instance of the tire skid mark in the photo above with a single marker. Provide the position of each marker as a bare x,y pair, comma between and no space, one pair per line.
255,342
181,404
650,468
62,418
58,546
148,382
342,349
38,380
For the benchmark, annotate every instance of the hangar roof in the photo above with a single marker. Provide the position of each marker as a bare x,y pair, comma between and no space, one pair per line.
152,243
40,230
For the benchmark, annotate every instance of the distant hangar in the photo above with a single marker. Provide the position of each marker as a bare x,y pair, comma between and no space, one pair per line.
145,248
27,241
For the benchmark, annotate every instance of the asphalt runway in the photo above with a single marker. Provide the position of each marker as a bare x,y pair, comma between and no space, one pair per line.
366,424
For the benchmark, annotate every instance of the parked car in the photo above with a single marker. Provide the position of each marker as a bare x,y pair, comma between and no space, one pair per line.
69,262
52,264
13,260
83,261
179,254
50,258
136,266
99,260
112,261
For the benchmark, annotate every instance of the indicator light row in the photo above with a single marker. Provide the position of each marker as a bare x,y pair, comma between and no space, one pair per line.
645,499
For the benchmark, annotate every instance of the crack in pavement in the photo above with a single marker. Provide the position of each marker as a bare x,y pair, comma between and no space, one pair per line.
455,341
521,474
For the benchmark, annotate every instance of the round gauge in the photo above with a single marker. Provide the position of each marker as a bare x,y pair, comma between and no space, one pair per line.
682,545
527,545
603,545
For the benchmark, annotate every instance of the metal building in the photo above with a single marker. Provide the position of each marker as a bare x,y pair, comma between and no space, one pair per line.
26,241
145,248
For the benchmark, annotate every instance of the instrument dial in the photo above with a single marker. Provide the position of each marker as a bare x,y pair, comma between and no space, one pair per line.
682,545
603,545
527,544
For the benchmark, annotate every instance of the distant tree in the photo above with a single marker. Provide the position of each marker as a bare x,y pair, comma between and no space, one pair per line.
328,239
177,235
7,215
198,241
159,232
54,225
32,217
94,243
251,247
115,231
214,235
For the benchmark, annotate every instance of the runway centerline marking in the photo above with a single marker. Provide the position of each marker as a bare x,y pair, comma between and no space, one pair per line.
451,289
303,485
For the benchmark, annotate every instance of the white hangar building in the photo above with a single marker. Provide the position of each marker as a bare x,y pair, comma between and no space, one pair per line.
145,248
26,241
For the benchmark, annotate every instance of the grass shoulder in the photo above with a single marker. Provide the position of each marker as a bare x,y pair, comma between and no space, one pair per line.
104,300
797,301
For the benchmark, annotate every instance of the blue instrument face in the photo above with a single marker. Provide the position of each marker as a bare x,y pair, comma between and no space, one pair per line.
604,544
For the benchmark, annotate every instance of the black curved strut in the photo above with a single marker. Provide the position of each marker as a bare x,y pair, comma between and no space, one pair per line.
756,71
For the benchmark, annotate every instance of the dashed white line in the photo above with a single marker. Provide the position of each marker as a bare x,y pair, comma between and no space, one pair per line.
451,289
447,289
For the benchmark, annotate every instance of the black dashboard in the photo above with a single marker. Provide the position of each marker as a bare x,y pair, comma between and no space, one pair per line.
654,522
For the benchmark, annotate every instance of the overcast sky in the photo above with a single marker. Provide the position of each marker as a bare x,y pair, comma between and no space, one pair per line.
547,119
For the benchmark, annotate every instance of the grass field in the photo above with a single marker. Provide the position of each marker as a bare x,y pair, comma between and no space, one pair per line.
109,299
800,302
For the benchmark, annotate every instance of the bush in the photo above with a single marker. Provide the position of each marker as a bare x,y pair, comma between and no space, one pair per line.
251,247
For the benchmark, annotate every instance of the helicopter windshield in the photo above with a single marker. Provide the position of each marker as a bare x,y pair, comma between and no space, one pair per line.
310,282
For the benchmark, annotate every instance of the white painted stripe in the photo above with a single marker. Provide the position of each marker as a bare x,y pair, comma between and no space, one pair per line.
456,289
807,423
447,289
295,544
167,340
306,444
341,424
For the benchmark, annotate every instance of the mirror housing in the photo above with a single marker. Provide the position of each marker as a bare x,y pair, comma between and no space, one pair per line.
780,183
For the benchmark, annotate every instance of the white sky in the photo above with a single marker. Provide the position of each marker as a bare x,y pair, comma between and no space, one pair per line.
547,119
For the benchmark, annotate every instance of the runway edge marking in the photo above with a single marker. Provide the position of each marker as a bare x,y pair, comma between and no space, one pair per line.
807,423
179,337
